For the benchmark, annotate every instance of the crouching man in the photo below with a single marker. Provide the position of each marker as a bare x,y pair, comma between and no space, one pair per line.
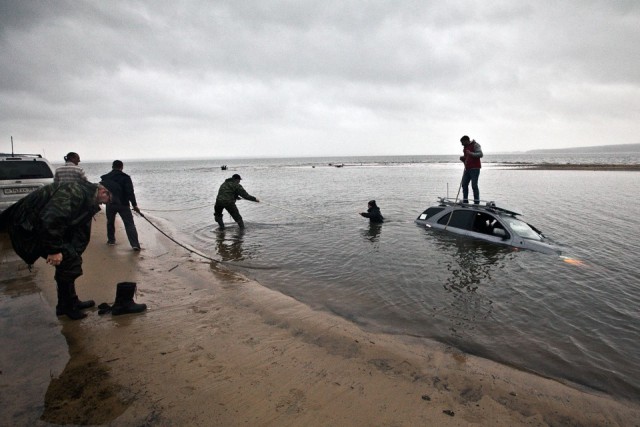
54,222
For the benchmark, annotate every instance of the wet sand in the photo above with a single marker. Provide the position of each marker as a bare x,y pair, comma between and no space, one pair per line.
215,348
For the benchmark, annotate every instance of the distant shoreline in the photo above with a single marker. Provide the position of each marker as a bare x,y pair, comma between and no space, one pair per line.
570,166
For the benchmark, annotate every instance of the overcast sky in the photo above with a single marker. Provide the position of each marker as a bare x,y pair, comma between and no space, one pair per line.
217,78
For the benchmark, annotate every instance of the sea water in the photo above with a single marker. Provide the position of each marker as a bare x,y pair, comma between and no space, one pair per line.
575,321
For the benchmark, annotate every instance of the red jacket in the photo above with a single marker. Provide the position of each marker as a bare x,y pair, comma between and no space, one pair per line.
472,153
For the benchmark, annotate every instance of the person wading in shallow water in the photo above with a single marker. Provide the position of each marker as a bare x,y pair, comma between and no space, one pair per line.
54,222
373,213
471,155
229,192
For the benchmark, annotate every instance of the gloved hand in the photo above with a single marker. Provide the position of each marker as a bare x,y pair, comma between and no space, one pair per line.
137,209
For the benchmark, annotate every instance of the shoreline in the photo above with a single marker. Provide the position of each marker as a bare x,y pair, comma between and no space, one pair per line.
567,166
215,348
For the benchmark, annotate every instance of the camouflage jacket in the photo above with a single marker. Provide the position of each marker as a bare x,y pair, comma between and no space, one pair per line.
51,217
230,191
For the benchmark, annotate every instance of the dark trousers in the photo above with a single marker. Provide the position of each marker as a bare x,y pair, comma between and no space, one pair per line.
233,211
470,176
127,219
71,266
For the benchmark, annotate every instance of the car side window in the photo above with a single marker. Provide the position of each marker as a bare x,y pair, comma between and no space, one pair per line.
484,223
462,218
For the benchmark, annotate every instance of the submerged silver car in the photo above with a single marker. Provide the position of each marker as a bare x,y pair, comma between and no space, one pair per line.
487,222
20,174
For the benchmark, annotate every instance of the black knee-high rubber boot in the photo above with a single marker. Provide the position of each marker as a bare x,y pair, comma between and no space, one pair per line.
124,303
80,305
66,304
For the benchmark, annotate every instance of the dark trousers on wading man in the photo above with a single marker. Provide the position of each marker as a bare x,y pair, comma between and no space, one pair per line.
229,192
124,197
233,211
129,225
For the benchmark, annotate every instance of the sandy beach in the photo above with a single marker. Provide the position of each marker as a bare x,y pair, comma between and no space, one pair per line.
215,348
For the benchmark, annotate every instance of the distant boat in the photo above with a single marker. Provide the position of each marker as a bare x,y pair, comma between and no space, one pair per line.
223,167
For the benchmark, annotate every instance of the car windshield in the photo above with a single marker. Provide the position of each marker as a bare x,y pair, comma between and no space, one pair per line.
521,228
24,170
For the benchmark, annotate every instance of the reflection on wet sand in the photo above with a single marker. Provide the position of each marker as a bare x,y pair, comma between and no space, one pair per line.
84,392
29,334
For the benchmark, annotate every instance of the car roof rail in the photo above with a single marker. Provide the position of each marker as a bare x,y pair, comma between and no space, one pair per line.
17,156
488,205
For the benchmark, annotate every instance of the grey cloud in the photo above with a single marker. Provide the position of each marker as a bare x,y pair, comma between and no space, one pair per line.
327,68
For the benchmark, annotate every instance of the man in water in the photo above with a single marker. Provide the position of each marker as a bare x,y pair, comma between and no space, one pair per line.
54,222
70,172
471,155
373,213
120,184
229,192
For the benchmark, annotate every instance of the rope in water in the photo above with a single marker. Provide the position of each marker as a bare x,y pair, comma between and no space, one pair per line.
290,210
193,251
212,204
180,210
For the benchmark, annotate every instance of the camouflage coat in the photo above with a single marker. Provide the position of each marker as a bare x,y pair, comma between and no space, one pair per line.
55,216
230,191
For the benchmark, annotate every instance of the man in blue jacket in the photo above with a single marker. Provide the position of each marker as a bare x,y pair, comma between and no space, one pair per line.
121,187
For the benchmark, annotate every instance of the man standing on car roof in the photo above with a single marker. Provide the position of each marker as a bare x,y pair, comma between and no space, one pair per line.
54,222
472,153
229,192
70,172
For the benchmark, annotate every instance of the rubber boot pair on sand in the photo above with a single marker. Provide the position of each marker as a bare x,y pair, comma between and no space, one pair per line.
71,306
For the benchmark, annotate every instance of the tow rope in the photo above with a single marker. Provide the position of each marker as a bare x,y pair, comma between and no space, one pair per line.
193,251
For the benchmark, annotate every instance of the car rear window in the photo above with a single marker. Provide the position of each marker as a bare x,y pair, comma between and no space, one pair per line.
429,213
24,170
